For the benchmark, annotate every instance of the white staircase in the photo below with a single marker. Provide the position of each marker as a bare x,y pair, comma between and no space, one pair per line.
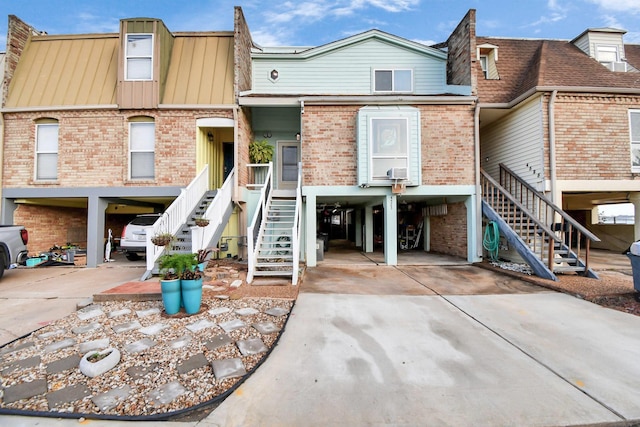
274,255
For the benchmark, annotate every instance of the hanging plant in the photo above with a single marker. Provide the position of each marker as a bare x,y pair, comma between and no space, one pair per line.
260,151
202,222
162,239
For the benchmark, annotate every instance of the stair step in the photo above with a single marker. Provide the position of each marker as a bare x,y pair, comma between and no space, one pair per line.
274,264
274,257
272,273
570,268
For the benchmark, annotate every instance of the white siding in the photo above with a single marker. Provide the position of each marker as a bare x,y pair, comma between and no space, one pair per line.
348,71
591,40
517,140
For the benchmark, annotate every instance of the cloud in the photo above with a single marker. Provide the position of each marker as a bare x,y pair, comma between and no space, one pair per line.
631,6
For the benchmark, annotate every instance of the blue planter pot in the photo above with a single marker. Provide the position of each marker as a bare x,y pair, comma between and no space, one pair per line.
202,266
192,295
171,295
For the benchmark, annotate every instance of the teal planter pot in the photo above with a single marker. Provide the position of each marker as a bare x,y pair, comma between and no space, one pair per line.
171,295
192,295
202,266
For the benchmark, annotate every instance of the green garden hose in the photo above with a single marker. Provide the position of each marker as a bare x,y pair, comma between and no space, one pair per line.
491,240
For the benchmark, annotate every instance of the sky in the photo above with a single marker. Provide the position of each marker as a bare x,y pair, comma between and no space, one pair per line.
316,22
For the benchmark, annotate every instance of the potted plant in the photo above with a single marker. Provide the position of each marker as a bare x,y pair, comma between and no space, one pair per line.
202,256
260,151
191,287
171,268
201,222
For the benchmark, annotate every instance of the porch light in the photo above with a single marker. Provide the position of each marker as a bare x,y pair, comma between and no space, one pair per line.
210,137
298,136
274,75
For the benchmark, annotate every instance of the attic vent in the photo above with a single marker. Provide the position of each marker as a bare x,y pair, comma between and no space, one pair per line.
616,66
397,173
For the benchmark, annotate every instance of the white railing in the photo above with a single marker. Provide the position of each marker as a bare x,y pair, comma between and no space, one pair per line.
255,229
295,232
176,214
201,236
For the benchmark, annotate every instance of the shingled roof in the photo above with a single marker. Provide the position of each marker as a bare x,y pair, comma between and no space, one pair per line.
524,64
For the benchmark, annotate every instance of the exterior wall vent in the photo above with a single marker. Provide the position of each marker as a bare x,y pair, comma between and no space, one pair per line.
398,173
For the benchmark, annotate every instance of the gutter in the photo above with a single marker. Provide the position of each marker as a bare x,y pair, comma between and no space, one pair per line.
552,145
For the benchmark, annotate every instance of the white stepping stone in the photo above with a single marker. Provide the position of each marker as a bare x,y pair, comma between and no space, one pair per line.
126,327
90,312
276,311
59,345
153,329
219,310
232,325
200,325
148,312
140,345
251,346
266,328
86,328
246,311
228,368
110,399
165,394
118,313
100,344
46,335
180,342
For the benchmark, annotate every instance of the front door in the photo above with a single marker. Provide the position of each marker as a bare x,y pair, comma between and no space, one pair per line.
227,159
288,158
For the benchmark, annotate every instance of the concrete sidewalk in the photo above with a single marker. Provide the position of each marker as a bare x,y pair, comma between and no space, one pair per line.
442,346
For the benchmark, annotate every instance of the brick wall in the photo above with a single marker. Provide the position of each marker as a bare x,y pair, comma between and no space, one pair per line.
245,136
93,148
18,34
449,232
242,52
592,136
462,53
48,226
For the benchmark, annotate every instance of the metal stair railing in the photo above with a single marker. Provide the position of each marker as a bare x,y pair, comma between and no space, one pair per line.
520,219
295,232
571,233
256,227
215,213
176,215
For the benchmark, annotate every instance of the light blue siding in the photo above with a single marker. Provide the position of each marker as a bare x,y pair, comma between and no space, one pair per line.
348,70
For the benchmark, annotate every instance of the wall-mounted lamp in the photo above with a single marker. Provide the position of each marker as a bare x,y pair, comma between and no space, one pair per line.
298,136
273,75
267,134
210,137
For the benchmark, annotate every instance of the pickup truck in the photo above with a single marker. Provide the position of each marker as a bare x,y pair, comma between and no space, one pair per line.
13,246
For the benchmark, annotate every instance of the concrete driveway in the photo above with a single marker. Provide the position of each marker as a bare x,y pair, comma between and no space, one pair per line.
436,346
32,297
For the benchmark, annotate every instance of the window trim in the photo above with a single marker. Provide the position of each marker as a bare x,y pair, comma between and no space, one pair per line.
393,80
632,143
127,57
134,121
38,152
373,156
484,65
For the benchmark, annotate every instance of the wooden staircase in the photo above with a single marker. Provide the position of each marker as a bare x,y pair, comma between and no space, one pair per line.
274,255
545,236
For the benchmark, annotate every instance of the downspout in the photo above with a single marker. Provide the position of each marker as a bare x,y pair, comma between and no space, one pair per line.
476,133
552,147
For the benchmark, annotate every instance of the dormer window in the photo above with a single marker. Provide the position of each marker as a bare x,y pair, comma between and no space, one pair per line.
139,57
393,80
487,55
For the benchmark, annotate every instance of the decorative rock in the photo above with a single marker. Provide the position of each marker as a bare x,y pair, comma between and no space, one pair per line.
24,391
248,311
118,313
148,312
126,327
137,372
67,394
86,328
265,328
153,329
180,342
100,344
251,346
64,364
200,325
166,393
90,312
222,296
93,369
194,362
140,345
218,341
219,310
235,284
46,335
59,345
27,363
276,311
232,325
110,399
228,368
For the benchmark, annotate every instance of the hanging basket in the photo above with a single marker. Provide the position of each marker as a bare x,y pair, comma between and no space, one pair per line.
161,239
202,222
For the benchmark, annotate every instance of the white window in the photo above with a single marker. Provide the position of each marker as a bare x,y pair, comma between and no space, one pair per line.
393,80
142,149
47,151
483,64
389,145
139,57
634,131
607,53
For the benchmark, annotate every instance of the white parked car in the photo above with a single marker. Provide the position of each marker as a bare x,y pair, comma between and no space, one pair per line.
134,236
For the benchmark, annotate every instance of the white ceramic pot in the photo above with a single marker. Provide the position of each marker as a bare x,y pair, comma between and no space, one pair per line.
93,369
